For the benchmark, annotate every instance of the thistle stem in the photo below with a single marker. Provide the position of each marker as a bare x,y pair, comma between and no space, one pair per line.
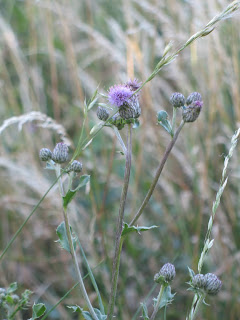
73,253
174,120
119,240
159,298
157,175
194,312
120,139
74,257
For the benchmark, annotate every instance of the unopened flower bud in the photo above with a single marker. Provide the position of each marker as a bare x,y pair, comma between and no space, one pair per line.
198,281
102,113
191,113
177,100
212,284
45,154
15,298
166,274
75,166
130,109
60,153
194,96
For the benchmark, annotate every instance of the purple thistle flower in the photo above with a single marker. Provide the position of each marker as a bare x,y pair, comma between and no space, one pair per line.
133,84
119,94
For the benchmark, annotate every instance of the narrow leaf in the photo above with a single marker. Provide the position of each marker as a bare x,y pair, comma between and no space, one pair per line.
12,287
127,229
191,273
144,311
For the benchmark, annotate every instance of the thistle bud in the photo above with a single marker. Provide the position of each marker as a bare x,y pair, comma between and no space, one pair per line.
102,113
177,100
191,113
194,96
60,153
130,109
15,298
75,166
212,284
166,274
45,154
198,281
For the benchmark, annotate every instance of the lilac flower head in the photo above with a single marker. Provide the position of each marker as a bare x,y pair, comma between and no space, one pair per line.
118,95
133,84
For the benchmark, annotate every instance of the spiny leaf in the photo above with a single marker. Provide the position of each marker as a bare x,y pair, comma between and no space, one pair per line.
86,314
144,311
167,297
63,240
38,310
84,179
127,229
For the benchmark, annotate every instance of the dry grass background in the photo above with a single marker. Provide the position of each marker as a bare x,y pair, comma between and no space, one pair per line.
53,55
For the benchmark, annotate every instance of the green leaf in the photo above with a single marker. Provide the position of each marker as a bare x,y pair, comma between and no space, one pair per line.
144,311
96,128
86,314
92,103
136,123
191,272
84,179
127,229
62,235
167,297
162,117
38,310
12,287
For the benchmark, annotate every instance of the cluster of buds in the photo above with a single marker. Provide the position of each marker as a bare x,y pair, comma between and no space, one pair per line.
191,107
60,155
209,283
123,97
9,301
166,274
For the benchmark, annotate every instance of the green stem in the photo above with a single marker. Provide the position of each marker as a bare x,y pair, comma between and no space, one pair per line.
159,298
119,239
157,175
174,120
195,311
74,256
120,139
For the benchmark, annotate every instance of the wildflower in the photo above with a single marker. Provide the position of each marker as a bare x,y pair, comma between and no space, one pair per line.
191,112
45,154
102,113
166,274
177,100
212,284
133,84
60,153
194,96
119,94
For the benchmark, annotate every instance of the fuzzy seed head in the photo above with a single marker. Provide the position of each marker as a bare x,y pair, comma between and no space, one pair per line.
45,154
102,113
177,100
60,153
191,113
198,281
212,284
166,274
194,96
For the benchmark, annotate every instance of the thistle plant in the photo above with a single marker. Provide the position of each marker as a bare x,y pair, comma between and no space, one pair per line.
120,111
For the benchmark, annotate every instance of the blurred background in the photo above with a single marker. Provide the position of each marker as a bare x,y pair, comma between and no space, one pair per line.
53,55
